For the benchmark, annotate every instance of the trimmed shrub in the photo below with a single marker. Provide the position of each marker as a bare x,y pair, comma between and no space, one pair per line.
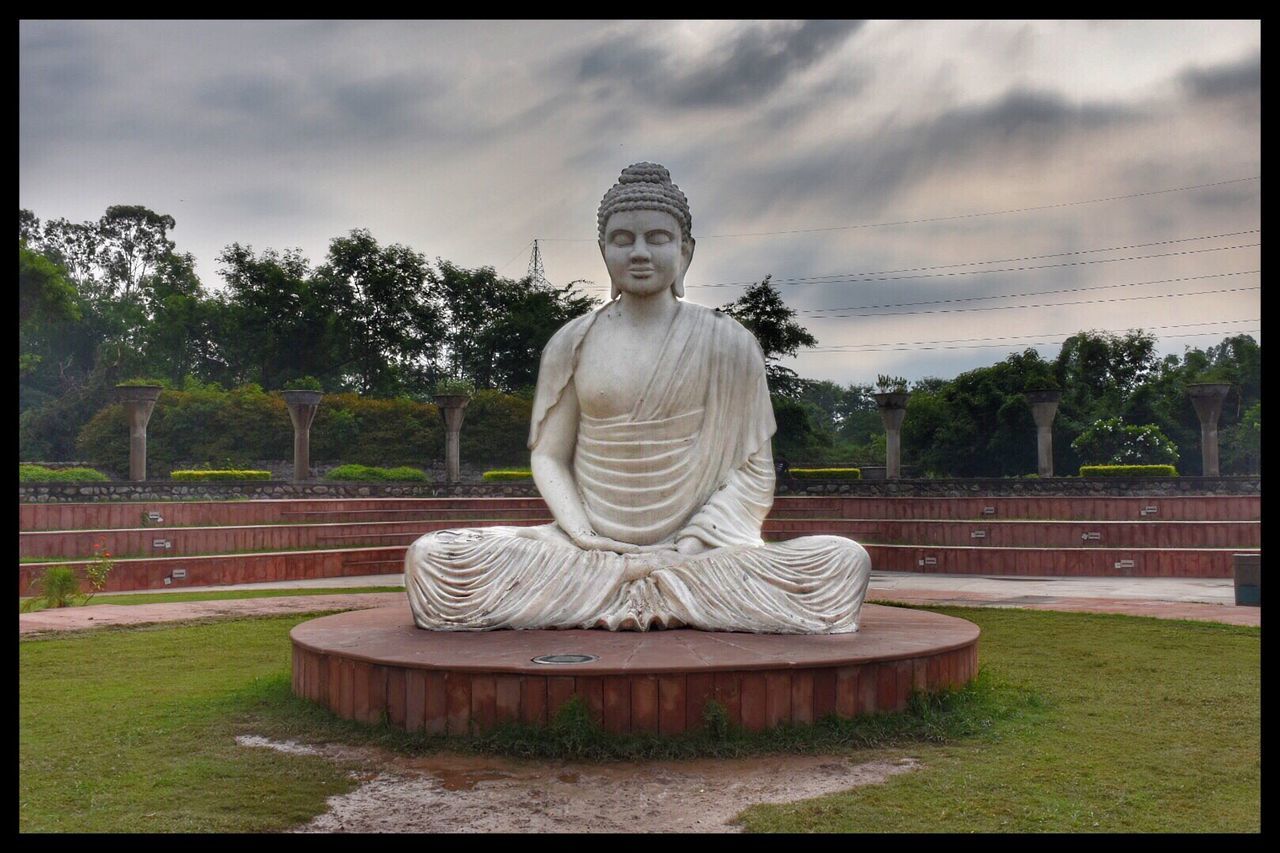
826,473
1111,441
503,475
371,474
1128,471
303,383
41,474
219,476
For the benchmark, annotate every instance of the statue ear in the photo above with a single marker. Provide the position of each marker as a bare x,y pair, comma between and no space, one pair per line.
686,250
613,288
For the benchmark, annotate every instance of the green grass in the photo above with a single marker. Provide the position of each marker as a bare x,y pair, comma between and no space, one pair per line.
225,595
1152,726
1078,722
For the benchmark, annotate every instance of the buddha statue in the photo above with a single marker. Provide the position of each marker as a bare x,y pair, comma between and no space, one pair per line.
650,443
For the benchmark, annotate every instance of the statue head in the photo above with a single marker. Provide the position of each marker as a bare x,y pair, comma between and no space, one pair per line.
645,232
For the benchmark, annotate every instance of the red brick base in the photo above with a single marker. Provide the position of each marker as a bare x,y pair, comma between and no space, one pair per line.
374,664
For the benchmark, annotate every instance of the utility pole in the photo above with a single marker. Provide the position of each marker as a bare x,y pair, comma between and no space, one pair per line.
537,276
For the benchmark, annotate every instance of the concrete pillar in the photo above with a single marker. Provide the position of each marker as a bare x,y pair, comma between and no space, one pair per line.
139,401
302,411
452,408
1207,397
893,408
1044,406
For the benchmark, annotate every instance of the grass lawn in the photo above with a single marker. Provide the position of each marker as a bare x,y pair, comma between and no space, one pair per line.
1080,723
219,595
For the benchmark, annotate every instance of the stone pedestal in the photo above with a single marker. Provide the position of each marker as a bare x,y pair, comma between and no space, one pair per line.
452,409
1207,397
139,401
1044,406
302,411
893,408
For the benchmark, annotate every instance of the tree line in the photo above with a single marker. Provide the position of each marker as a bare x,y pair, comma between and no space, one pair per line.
104,301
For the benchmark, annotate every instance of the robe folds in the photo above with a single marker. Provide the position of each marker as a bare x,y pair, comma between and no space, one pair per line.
692,459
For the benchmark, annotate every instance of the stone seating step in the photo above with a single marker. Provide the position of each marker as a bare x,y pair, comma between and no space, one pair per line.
176,541
151,572
100,516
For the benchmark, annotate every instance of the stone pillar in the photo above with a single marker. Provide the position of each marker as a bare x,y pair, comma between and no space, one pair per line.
452,408
893,408
139,401
1044,405
302,411
1207,397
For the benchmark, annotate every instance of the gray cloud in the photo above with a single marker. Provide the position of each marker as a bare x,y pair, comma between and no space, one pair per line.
755,62
1243,77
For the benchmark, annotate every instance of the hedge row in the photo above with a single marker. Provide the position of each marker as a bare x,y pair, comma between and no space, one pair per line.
509,474
225,475
232,429
1128,471
826,473
373,474
41,474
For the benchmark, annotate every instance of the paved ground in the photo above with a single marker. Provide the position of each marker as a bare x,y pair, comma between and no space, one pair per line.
1166,598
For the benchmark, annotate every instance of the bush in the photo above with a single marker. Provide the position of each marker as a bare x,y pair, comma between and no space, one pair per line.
826,473
454,387
58,586
219,476
1111,441
303,383
502,475
372,474
143,383
1128,471
41,474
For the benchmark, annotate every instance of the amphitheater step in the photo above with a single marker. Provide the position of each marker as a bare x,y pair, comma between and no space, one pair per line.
99,516
151,573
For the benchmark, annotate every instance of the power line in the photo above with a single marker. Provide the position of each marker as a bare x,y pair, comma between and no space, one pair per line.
1017,295
948,218
977,263
1028,344
1005,269
1040,305
856,347
516,255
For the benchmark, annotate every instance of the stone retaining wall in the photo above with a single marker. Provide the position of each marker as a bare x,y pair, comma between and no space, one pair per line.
166,490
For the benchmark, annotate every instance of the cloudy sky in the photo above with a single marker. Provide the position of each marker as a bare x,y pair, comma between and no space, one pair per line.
992,184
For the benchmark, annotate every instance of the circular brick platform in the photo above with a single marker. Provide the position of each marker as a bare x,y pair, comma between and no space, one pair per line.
365,664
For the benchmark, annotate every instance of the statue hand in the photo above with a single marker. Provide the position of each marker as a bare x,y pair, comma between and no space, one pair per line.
591,541
690,545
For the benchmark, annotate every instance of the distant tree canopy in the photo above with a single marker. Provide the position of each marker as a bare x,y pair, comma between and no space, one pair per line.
100,302
378,325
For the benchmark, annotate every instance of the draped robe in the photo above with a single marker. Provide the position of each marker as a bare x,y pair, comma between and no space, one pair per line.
691,459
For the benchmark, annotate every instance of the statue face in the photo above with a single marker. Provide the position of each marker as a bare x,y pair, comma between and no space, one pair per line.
644,251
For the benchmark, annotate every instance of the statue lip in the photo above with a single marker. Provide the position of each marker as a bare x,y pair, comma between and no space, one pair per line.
641,271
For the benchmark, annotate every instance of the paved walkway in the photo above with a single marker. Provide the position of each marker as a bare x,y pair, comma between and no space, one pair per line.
1164,598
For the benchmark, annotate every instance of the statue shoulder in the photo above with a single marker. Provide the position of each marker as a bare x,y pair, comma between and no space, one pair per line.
566,339
736,334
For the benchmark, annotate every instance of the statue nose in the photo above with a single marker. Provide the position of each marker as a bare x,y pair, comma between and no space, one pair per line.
639,249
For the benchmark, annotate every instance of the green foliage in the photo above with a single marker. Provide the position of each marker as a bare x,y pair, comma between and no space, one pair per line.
826,473
890,384
1113,442
453,387
496,430
143,383
40,474
218,476
503,475
303,383
57,586
373,474
1242,443
760,308
1128,471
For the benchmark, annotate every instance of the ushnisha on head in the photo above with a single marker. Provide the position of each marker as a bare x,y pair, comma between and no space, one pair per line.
645,231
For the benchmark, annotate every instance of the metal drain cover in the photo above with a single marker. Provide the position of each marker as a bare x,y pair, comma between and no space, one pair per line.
554,659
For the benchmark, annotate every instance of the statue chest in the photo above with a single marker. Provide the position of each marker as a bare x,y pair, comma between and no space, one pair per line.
614,369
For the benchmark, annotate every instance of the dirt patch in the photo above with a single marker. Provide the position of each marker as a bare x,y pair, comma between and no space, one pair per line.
467,793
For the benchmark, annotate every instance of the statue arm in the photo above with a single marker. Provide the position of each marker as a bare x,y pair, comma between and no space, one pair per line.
736,511
551,460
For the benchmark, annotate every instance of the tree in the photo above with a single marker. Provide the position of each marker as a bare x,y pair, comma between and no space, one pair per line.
1111,441
391,320
497,327
766,316
132,241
